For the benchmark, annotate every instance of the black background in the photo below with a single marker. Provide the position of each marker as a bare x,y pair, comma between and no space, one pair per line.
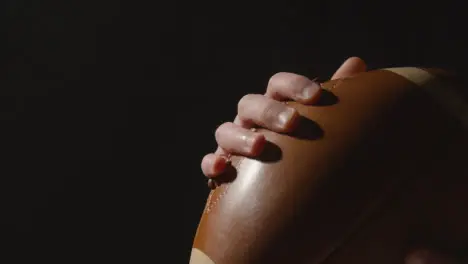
108,107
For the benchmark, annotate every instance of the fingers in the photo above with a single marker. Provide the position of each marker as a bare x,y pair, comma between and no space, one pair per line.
266,112
284,85
253,109
213,165
235,139
231,138
239,122
350,67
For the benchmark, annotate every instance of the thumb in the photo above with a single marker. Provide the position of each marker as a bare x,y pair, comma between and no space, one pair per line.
350,67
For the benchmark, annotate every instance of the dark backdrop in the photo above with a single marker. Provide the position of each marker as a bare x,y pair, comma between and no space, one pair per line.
108,107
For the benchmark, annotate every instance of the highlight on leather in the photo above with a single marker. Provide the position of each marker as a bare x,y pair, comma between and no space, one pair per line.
448,98
376,169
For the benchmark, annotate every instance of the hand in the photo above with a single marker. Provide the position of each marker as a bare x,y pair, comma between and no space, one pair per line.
268,112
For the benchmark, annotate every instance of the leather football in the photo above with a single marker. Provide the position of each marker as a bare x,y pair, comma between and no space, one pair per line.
377,168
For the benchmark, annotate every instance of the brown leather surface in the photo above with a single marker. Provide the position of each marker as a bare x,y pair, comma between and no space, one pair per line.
374,170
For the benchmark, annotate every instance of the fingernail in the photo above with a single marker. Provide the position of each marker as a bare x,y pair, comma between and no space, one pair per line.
285,117
309,91
249,141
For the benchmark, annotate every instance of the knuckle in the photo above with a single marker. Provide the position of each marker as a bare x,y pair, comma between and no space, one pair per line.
297,81
275,78
221,129
204,160
244,102
268,112
204,164
274,83
284,82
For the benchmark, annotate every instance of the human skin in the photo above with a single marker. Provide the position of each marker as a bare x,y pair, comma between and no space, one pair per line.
268,111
